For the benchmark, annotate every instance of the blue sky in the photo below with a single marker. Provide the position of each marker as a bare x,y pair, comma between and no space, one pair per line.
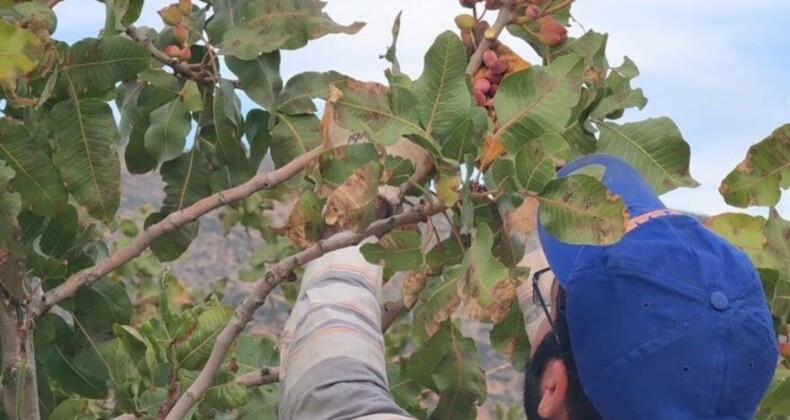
719,68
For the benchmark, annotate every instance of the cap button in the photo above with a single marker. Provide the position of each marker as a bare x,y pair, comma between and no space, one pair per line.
719,301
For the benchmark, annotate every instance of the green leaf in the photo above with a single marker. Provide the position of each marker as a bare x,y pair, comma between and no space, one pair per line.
37,180
391,53
256,130
37,15
438,300
96,65
191,96
745,232
246,29
776,401
71,409
537,101
122,369
509,337
294,136
193,349
654,147
120,14
339,163
579,139
172,298
260,77
300,90
365,107
405,390
263,405
759,178
464,139
486,286
351,206
75,364
620,95
85,152
186,182
101,305
579,209
398,250
165,138
256,352
443,91
225,393
447,363
536,162
591,46
227,127
20,52
777,244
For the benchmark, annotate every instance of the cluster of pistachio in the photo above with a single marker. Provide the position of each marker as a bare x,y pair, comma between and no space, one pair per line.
173,15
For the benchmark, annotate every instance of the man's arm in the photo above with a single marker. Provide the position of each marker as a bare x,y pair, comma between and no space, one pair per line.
332,364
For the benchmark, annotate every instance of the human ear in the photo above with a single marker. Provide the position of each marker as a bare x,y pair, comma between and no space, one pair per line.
554,389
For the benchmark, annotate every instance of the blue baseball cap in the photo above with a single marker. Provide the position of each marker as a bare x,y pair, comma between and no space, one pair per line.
670,322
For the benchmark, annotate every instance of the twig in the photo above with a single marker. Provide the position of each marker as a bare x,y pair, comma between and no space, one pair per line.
280,272
262,376
178,66
53,3
391,312
503,19
172,222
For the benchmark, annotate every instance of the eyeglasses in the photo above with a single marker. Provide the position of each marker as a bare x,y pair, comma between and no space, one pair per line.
537,299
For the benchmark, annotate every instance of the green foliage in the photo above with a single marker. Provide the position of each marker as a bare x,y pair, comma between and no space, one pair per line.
135,339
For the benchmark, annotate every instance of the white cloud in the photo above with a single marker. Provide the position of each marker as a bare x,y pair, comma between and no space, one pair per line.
719,68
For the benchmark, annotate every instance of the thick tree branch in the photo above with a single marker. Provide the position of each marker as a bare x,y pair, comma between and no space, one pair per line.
262,376
504,17
172,222
392,311
283,271
18,361
180,67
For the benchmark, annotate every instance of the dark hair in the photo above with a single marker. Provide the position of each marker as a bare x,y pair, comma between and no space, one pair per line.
579,405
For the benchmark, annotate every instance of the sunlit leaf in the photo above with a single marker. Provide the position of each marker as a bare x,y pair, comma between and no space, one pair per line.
777,245
537,101
225,393
579,209
620,95
443,93
745,232
536,162
20,52
760,177
654,147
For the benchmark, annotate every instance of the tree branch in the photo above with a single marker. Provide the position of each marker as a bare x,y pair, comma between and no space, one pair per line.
172,222
503,19
53,3
282,271
391,312
16,335
180,67
262,376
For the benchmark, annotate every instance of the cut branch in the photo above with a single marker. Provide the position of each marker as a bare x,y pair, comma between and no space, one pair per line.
180,67
504,17
262,376
172,222
283,271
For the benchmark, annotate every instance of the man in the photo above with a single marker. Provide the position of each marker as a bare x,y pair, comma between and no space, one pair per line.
668,323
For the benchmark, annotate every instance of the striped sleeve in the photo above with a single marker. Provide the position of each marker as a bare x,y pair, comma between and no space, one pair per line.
332,350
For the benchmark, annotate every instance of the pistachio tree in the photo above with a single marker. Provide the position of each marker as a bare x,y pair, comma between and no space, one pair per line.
444,168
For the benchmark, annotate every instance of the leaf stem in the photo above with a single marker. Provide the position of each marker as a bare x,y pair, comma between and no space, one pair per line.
180,67
263,376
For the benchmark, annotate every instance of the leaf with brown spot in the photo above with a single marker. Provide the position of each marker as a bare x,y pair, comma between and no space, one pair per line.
760,177
485,285
305,223
579,209
437,302
745,232
413,284
351,205
492,150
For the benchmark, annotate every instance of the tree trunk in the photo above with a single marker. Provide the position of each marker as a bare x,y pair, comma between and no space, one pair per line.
19,362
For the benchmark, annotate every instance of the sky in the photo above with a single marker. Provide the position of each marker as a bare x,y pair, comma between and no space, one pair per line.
719,68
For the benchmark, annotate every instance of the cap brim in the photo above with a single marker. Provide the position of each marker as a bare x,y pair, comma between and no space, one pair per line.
620,178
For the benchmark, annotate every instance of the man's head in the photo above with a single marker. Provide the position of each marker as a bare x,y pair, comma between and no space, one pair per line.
668,323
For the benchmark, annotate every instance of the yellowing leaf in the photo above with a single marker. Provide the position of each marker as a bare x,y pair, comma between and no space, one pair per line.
20,51
448,185
304,224
351,205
